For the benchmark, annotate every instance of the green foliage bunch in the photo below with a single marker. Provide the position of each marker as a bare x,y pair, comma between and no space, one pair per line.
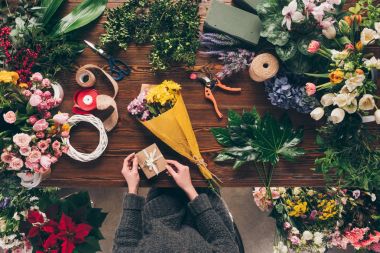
170,26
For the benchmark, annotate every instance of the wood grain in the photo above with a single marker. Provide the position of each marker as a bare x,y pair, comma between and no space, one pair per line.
130,136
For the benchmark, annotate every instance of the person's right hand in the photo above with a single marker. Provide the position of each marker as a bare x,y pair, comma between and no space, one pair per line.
181,175
131,173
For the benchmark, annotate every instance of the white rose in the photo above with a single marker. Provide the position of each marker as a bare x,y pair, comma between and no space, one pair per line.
327,99
354,82
307,235
373,197
16,216
329,32
282,248
297,191
342,100
367,102
351,108
337,115
377,27
377,116
295,231
317,113
368,36
318,238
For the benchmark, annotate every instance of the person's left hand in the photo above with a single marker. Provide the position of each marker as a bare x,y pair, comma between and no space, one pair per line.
131,173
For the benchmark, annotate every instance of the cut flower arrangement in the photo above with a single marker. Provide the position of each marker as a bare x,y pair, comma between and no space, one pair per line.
314,220
33,134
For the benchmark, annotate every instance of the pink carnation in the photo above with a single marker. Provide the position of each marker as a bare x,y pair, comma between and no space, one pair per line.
34,156
32,119
37,77
47,115
376,247
61,118
45,162
6,157
56,145
65,134
261,199
10,117
295,240
40,135
32,166
58,153
16,164
46,83
22,140
40,125
53,159
313,46
287,225
35,100
27,93
43,146
310,89
25,151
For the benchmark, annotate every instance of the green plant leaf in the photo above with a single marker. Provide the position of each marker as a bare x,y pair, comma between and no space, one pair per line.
222,157
86,12
222,136
50,7
287,52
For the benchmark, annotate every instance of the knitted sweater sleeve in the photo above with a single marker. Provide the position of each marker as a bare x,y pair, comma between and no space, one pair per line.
211,226
130,228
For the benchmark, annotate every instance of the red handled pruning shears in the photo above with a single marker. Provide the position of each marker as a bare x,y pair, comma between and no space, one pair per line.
210,82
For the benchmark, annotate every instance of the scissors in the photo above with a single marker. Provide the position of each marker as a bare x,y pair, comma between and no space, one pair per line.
118,68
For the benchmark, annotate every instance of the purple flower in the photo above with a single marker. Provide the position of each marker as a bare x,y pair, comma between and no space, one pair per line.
313,214
5,202
138,105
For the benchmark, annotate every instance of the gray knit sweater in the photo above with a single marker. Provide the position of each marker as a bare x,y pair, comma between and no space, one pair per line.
168,223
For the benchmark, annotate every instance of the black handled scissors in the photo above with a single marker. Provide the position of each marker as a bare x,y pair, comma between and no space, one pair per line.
118,68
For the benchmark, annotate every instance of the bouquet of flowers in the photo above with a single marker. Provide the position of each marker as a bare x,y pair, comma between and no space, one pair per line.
38,221
161,109
351,86
313,220
32,135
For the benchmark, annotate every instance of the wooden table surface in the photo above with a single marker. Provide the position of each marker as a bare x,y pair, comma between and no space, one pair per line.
129,136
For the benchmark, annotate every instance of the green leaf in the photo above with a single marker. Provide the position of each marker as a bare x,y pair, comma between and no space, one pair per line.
355,9
222,157
50,8
86,12
279,38
326,75
267,7
238,164
303,45
287,52
222,136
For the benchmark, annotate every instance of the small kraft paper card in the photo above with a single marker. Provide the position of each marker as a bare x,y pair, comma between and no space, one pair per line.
151,161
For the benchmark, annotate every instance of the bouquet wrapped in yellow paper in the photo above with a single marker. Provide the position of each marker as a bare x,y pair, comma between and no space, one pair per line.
161,109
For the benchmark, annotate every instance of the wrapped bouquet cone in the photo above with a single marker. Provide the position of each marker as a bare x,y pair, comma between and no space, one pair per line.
174,128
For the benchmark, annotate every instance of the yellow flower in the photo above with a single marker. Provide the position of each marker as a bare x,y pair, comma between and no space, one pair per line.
165,92
337,76
297,209
328,209
359,46
23,85
9,77
65,127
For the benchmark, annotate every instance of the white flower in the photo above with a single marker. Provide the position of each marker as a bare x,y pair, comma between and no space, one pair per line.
337,115
34,198
372,63
377,116
353,82
3,225
329,32
310,192
318,238
356,194
367,102
295,231
307,235
297,191
377,27
336,2
343,99
327,99
351,108
339,55
373,197
291,14
368,36
16,216
317,113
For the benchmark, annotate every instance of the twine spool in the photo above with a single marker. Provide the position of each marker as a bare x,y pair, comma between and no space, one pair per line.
85,78
263,67
103,139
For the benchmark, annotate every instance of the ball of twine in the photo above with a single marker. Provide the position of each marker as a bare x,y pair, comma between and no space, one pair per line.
263,67
103,139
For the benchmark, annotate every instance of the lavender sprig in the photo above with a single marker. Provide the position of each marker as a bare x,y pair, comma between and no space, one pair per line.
216,40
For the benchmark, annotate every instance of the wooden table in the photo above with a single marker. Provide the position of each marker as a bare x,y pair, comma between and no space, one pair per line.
129,136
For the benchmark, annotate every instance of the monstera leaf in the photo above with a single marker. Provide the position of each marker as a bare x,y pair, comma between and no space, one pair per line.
248,137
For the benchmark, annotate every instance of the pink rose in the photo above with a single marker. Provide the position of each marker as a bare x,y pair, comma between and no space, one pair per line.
47,115
57,153
6,157
61,118
37,77
34,156
27,93
45,162
310,89
376,247
16,164
10,117
313,46
40,125
32,119
22,140
287,225
56,145
25,151
65,134
32,166
38,92
295,240
349,47
53,159
46,83
35,100
43,146
40,135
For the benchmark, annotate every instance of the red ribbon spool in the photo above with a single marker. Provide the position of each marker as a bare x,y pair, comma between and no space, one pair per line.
85,101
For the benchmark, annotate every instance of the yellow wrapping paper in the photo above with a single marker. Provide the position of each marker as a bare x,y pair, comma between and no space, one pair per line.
174,128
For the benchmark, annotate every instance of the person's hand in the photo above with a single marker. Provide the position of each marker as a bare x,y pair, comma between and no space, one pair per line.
181,175
131,173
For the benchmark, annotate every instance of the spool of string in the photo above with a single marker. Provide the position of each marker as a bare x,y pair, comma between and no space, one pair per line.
263,67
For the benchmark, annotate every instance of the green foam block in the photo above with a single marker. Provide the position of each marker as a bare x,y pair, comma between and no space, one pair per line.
233,21
248,5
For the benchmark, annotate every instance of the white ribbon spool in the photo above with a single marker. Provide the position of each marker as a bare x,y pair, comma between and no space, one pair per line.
103,139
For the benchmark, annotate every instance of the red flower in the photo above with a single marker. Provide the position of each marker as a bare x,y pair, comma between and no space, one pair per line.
50,245
35,216
71,233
